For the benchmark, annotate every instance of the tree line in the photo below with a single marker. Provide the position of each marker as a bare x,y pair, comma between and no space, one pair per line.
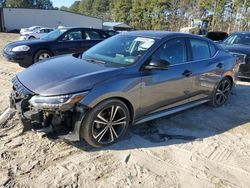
42,4
223,15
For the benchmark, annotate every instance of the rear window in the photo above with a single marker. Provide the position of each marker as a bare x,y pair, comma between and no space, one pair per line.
200,49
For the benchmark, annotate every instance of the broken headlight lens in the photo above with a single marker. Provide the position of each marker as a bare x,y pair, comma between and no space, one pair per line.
63,102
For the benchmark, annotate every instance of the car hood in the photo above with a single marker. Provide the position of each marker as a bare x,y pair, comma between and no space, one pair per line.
26,42
65,75
238,48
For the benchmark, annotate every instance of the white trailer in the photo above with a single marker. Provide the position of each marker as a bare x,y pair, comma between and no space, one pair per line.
17,18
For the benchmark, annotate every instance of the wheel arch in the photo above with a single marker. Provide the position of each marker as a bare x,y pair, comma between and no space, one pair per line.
231,79
129,105
230,76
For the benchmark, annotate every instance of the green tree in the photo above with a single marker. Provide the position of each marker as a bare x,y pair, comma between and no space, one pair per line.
86,7
217,9
137,14
121,10
19,3
64,8
159,7
101,8
74,7
43,4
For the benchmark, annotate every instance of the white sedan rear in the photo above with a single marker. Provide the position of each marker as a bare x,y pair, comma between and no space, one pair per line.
36,34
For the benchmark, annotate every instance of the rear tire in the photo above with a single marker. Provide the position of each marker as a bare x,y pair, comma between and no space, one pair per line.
221,93
42,55
106,123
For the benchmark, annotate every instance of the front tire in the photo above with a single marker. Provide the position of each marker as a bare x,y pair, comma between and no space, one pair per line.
41,55
221,93
106,123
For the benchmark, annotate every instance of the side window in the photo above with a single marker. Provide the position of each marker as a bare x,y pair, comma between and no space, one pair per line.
200,49
92,35
73,36
173,51
42,31
213,49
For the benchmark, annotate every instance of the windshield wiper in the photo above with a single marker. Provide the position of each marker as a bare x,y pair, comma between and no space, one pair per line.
95,61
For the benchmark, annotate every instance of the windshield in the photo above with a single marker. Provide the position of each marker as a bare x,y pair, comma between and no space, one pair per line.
120,50
54,34
243,38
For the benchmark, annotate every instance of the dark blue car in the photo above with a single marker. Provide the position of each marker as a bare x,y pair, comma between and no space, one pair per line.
238,44
57,42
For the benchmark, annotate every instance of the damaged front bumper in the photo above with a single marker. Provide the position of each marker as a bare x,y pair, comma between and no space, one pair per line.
64,119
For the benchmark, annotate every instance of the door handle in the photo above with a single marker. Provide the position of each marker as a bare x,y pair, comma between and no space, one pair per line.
219,65
187,73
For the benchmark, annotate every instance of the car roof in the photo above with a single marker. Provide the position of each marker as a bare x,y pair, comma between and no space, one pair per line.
161,34
45,28
67,28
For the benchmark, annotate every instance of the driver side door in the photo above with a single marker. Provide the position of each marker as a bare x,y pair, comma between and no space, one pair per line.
167,88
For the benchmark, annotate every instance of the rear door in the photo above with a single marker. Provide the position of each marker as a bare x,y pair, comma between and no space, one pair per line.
207,67
70,42
167,88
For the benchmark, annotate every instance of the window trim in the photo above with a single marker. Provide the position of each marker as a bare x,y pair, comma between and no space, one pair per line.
216,50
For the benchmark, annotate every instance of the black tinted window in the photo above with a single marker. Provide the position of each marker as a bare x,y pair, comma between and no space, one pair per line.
92,35
200,49
213,49
73,35
173,51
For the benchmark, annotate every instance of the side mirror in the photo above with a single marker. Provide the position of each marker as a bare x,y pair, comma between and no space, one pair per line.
158,65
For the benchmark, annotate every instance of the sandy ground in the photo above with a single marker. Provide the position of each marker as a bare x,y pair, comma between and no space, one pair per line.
201,147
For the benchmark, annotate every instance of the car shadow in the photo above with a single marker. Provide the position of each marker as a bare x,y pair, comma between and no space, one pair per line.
193,124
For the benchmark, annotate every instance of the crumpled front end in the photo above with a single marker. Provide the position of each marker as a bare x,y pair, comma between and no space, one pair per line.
55,113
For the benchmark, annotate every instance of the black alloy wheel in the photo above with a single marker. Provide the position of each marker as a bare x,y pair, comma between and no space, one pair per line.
221,93
106,123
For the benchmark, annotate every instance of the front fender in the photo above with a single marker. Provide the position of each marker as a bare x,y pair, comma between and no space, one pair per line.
128,89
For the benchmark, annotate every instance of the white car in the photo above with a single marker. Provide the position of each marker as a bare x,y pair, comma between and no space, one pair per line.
30,29
36,34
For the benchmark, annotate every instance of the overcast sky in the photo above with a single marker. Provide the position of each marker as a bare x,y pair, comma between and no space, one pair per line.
59,3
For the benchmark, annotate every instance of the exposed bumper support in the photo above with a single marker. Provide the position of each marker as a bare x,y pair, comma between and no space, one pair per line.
6,115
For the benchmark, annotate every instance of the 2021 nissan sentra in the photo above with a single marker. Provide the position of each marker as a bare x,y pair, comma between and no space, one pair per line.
128,79
58,42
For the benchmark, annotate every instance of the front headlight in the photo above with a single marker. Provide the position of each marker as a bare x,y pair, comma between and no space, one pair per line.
63,102
22,48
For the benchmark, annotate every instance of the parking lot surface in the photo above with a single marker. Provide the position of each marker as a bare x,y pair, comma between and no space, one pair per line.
201,147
